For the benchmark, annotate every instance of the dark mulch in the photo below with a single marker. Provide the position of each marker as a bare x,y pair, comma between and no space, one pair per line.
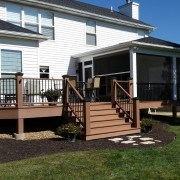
12,150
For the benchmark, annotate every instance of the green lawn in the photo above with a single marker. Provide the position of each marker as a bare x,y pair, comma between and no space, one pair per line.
149,163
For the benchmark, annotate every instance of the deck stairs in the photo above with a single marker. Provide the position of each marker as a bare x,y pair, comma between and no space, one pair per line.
106,121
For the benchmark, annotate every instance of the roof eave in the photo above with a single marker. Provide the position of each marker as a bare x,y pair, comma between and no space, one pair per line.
84,14
105,50
155,46
22,35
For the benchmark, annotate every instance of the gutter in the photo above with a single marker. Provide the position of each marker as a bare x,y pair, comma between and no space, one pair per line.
68,10
22,35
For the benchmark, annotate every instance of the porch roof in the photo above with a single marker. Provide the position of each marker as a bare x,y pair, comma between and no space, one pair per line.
10,30
148,42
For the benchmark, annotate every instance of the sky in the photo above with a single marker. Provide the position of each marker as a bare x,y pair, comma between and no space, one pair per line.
163,14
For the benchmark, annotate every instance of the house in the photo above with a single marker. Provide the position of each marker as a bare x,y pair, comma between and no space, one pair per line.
49,38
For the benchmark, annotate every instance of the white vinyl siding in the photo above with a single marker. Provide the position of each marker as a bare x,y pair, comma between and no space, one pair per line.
31,19
91,32
14,14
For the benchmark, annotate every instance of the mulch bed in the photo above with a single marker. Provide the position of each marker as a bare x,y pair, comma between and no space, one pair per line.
12,150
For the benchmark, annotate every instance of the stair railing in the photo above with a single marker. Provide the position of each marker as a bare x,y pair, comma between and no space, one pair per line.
122,97
76,105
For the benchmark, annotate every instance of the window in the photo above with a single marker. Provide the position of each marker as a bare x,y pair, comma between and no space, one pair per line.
47,24
91,32
14,14
44,71
11,63
31,19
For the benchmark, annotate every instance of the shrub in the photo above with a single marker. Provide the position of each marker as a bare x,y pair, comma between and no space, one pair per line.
52,94
69,128
147,124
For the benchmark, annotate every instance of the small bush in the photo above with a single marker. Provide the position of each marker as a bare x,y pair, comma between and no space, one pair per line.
69,128
147,124
52,94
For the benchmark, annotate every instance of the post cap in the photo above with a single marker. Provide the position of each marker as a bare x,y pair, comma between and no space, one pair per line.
19,74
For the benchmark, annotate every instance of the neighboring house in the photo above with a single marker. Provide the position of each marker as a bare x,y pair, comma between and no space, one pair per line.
52,38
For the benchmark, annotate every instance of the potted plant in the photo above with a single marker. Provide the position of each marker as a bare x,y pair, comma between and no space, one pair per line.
147,124
52,95
69,131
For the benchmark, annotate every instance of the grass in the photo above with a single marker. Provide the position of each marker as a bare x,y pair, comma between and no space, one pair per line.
149,163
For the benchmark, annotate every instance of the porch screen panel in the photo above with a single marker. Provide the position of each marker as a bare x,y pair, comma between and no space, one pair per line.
112,64
153,69
154,77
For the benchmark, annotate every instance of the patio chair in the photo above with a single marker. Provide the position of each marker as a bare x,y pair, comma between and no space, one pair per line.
92,87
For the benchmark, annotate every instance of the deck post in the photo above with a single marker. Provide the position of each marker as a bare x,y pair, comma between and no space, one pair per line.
136,113
86,105
133,69
174,110
19,98
131,87
113,91
65,89
20,129
19,89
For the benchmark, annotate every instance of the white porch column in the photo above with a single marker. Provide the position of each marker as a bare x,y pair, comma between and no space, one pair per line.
133,70
174,78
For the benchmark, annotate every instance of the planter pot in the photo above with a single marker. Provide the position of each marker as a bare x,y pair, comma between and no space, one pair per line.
147,129
52,100
69,136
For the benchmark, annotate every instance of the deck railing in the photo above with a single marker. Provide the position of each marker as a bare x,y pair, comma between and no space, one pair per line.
34,90
123,99
154,91
7,91
19,91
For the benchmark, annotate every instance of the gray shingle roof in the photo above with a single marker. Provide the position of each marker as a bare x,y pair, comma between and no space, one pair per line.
93,9
6,26
155,41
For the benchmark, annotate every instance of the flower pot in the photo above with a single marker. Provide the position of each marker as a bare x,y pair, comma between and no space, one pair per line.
147,128
69,136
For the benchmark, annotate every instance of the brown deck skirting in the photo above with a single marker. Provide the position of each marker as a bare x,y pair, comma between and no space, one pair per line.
30,112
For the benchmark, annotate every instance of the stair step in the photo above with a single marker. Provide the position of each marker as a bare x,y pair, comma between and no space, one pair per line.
103,130
100,107
114,134
102,112
104,117
97,124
